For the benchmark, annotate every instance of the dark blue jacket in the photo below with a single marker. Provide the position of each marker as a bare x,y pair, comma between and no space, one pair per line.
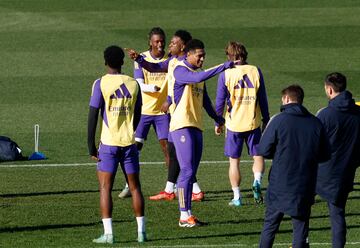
297,142
341,120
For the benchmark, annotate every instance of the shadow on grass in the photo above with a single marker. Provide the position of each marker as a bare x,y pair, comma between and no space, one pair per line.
51,227
31,194
235,234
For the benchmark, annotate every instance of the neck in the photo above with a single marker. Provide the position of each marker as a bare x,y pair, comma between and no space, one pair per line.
113,71
156,54
334,94
182,53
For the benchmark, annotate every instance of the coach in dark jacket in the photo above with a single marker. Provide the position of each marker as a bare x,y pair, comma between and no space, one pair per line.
341,120
296,141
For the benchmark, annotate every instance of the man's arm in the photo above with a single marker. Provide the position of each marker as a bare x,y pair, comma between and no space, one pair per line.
210,109
268,141
263,102
184,75
137,110
153,67
139,76
222,94
324,147
92,122
96,103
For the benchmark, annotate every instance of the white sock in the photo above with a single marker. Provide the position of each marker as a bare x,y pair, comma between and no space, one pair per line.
184,215
189,212
196,188
141,223
107,222
236,191
169,188
126,186
258,176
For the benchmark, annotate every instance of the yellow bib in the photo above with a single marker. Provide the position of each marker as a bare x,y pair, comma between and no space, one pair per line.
120,94
152,101
188,112
243,83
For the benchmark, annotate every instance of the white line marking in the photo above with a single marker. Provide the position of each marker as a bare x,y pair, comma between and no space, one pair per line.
93,164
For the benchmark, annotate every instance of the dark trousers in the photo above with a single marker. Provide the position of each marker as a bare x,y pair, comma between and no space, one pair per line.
272,222
338,223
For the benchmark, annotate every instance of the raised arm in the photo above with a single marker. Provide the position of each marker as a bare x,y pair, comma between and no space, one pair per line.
153,67
184,75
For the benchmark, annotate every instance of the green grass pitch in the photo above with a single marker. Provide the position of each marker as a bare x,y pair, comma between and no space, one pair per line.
50,54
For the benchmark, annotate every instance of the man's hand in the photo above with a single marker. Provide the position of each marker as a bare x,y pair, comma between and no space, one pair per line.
132,53
165,107
95,158
219,130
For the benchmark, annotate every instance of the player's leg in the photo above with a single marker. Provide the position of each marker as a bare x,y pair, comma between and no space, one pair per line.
140,136
130,166
173,172
161,125
163,144
300,232
232,149
252,142
185,146
235,180
106,171
272,222
338,223
142,130
196,195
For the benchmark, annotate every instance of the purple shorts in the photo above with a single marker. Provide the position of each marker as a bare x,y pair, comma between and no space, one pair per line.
159,122
111,156
234,142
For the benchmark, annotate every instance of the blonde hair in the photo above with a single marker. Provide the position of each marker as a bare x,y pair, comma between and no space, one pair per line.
236,50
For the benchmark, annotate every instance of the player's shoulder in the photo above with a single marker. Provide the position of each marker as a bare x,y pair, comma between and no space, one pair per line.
145,54
324,112
127,78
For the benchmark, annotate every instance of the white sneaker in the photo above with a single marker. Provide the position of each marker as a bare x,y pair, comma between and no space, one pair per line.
105,239
125,193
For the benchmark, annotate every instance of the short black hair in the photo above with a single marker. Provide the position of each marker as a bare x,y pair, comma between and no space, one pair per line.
337,81
193,45
294,92
184,35
156,30
114,57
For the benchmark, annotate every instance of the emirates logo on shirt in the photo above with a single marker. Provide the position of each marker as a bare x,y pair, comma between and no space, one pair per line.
182,139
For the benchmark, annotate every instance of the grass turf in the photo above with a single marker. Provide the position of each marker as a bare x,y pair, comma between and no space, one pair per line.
51,52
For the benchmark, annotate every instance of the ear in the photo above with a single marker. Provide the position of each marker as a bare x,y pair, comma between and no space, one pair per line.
329,90
182,47
285,99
